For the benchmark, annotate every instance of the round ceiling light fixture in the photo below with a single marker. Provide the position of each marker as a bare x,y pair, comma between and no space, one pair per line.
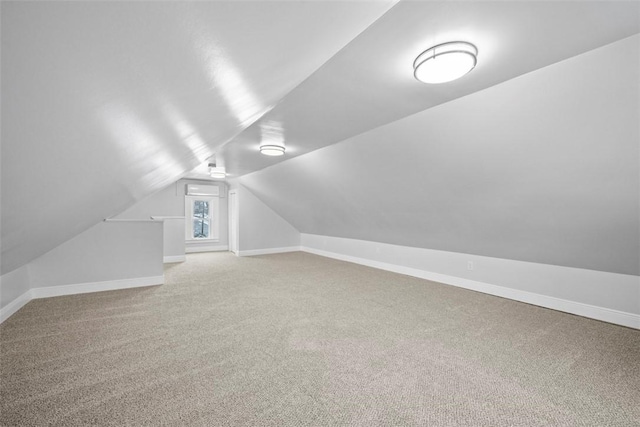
218,172
445,62
272,149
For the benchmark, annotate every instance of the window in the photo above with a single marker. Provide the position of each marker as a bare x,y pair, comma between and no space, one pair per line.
202,218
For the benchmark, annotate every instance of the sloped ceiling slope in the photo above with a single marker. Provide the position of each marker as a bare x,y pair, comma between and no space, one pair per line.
370,82
542,168
104,103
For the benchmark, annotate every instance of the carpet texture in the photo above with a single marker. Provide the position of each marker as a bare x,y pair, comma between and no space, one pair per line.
296,339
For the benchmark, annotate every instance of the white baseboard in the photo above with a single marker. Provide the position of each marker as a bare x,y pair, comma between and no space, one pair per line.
194,249
79,288
254,252
83,288
630,320
15,305
174,258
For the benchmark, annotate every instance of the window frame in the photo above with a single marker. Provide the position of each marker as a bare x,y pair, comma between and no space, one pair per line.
214,218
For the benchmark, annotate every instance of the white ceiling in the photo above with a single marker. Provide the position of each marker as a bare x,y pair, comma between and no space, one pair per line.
370,82
104,103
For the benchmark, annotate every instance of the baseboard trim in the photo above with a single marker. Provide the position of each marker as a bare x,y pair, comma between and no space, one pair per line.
79,288
594,312
254,252
84,288
174,258
15,305
195,249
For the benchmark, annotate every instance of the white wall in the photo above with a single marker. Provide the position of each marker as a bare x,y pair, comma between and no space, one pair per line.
605,296
173,238
261,230
170,202
111,255
12,286
542,168
110,250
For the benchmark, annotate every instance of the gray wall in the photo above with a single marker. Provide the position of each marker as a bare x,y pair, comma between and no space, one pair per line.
107,251
173,237
260,227
13,285
542,168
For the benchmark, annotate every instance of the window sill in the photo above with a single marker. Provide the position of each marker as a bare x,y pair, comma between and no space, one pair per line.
202,240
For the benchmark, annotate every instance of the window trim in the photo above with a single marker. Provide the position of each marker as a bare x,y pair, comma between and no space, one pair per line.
214,223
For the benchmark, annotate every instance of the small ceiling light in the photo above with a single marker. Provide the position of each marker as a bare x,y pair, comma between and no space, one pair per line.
445,62
271,149
272,138
217,172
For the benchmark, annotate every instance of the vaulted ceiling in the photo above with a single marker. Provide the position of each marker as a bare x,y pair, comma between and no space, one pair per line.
542,168
104,103
370,81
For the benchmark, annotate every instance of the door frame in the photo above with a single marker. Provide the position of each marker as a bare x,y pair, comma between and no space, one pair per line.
234,222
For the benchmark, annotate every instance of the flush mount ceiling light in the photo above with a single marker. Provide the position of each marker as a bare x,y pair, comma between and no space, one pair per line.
272,138
445,62
272,149
217,172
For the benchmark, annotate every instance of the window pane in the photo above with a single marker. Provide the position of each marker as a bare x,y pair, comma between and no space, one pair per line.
200,209
200,228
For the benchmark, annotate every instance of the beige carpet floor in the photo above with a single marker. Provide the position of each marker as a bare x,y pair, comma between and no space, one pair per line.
296,339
